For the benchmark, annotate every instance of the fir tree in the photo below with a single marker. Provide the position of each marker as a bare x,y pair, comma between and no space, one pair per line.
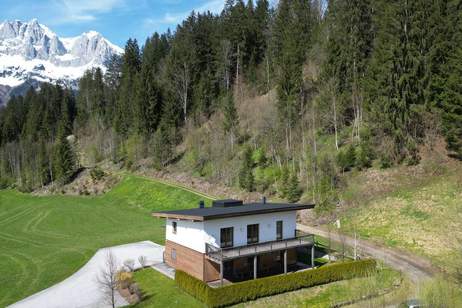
231,118
246,178
64,160
293,189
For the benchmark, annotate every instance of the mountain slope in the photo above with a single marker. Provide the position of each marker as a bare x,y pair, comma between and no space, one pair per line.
31,53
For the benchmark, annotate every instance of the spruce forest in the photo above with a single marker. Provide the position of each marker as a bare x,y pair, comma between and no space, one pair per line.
280,100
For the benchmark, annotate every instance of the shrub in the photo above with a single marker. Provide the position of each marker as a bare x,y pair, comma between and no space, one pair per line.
259,157
124,279
253,289
346,158
96,174
363,155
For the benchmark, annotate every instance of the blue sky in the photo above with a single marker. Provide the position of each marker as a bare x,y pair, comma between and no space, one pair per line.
117,20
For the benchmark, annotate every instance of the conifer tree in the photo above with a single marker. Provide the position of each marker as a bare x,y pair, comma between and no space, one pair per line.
124,109
64,160
451,98
293,189
231,118
246,178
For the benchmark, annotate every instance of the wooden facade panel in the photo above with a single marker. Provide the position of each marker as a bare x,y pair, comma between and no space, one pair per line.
211,270
185,259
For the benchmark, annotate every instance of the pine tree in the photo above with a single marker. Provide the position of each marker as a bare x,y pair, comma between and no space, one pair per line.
293,190
124,108
450,101
395,92
231,118
284,182
64,160
292,35
246,178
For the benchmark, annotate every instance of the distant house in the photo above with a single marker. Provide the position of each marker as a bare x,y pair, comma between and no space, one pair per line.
235,241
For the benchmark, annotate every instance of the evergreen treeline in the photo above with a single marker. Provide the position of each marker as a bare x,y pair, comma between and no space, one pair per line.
373,76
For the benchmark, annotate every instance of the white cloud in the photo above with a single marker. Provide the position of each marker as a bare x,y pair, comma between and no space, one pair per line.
83,10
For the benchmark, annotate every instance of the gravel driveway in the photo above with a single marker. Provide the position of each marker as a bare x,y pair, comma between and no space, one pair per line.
415,267
82,289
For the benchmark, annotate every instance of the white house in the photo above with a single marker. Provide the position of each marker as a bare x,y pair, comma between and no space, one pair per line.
234,240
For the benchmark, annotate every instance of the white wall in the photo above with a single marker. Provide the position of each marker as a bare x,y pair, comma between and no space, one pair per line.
188,233
194,235
266,222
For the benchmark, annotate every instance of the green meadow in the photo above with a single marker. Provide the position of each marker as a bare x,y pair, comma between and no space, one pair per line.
46,239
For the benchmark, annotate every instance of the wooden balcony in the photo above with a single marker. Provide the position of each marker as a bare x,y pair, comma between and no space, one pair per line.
220,255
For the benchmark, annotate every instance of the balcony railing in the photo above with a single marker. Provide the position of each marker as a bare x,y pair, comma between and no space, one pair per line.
222,254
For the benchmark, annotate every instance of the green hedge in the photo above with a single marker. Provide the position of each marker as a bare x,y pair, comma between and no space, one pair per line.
253,289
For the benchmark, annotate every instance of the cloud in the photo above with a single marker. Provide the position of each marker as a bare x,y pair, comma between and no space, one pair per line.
71,11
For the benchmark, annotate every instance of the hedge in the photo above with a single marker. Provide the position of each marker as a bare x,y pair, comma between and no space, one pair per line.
252,289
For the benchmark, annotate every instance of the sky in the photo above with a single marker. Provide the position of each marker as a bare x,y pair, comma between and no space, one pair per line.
117,20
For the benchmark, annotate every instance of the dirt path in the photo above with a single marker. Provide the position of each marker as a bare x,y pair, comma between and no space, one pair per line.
416,267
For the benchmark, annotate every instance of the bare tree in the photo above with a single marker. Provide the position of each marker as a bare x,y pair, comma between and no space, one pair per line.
107,279
143,261
130,264
182,80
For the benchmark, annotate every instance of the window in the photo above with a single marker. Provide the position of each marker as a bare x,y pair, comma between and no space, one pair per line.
173,254
226,237
279,230
174,227
252,234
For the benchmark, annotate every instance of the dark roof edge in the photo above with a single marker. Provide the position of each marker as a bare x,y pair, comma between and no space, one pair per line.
294,207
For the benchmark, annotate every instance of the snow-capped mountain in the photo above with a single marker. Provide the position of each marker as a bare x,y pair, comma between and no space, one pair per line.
30,53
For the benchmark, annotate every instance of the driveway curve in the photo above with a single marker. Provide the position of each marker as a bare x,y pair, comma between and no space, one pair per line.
415,267
81,290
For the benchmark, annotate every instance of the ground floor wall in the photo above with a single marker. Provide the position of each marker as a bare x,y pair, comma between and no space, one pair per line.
190,261
196,264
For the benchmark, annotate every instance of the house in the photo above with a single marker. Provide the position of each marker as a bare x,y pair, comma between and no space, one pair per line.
235,241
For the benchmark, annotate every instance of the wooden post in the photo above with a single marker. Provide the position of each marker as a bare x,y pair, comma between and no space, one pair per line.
312,255
285,261
255,267
221,273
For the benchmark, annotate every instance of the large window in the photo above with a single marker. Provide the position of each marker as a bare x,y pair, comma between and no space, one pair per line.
226,237
174,227
252,234
279,230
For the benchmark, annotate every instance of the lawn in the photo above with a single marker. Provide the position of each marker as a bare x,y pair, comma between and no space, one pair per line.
160,291
46,239
333,293
416,217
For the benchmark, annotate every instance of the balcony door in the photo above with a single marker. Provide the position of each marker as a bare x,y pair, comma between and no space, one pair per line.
226,237
252,234
279,230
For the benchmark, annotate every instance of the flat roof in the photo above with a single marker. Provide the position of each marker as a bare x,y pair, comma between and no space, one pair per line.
209,213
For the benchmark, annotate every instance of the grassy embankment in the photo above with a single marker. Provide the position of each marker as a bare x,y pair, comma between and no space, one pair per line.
162,292
417,209
46,239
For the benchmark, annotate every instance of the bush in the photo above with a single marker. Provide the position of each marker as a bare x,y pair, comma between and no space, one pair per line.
96,174
346,158
253,289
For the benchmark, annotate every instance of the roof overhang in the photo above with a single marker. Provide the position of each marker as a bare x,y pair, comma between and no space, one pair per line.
183,216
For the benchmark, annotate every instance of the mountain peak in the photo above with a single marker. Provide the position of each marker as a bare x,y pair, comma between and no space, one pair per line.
31,51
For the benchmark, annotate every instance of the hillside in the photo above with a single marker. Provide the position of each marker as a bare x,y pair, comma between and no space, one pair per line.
46,239
416,209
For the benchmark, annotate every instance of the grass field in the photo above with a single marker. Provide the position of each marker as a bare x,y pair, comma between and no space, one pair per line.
46,239
162,292
420,213
333,293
